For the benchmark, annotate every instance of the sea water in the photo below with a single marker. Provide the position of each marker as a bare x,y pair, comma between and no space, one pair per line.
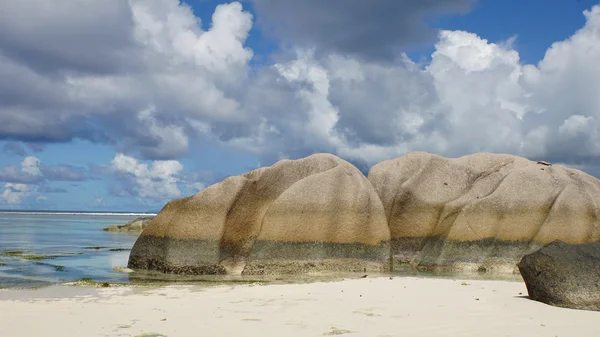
45,248
40,249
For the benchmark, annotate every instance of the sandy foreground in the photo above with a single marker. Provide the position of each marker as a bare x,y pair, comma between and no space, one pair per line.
402,306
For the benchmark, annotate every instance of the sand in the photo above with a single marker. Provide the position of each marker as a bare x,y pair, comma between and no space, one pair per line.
402,306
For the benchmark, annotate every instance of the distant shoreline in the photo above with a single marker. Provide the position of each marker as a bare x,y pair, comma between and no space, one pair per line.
89,213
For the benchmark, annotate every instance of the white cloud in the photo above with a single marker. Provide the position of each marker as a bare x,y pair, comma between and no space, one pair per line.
171,140
473,96
370,112
31,165
157,81
145,54
157,181
29,173
31,182
34,172
14,193
577,124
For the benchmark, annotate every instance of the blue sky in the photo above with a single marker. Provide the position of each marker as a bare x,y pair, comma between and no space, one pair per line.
123,105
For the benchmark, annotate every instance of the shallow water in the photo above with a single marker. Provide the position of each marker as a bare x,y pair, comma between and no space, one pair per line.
44,249
39,250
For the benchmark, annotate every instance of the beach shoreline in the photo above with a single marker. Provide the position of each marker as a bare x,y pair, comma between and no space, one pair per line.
381,306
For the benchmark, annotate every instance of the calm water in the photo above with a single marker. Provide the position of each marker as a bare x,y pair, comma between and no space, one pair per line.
44,249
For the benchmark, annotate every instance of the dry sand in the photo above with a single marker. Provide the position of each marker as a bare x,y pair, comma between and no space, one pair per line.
403,306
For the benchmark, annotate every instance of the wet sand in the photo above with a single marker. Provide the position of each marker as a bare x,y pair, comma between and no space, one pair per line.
402,306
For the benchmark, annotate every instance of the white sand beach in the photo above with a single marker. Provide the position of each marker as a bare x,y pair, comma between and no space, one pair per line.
402,306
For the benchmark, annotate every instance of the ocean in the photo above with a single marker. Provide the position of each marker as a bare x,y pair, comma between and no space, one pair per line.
39,249
45,248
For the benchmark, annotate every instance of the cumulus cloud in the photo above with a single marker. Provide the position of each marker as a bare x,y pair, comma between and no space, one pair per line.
163,142
31,166
55,35
30,181
29,173
32,171
14,193
473,96
367,29
131,73
160,80
156,181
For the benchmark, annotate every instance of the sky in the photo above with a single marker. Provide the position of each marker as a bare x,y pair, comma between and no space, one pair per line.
122,105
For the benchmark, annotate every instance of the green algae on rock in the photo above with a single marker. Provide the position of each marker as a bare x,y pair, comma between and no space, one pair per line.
13,252
88,282
55,266
29,256
40,257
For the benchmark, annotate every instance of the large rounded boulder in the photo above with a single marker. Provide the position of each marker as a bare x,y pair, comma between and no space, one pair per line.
482,211
316,213
564,275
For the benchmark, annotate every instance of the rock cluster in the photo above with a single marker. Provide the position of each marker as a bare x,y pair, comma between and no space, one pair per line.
478,212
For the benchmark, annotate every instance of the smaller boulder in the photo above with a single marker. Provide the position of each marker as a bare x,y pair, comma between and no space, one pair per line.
564,275
119,269
137,225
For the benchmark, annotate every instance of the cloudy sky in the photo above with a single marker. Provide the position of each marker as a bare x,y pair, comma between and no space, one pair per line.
124,104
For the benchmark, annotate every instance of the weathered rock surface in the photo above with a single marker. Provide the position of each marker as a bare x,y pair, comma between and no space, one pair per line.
483,211
316,213
136,225
564,275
